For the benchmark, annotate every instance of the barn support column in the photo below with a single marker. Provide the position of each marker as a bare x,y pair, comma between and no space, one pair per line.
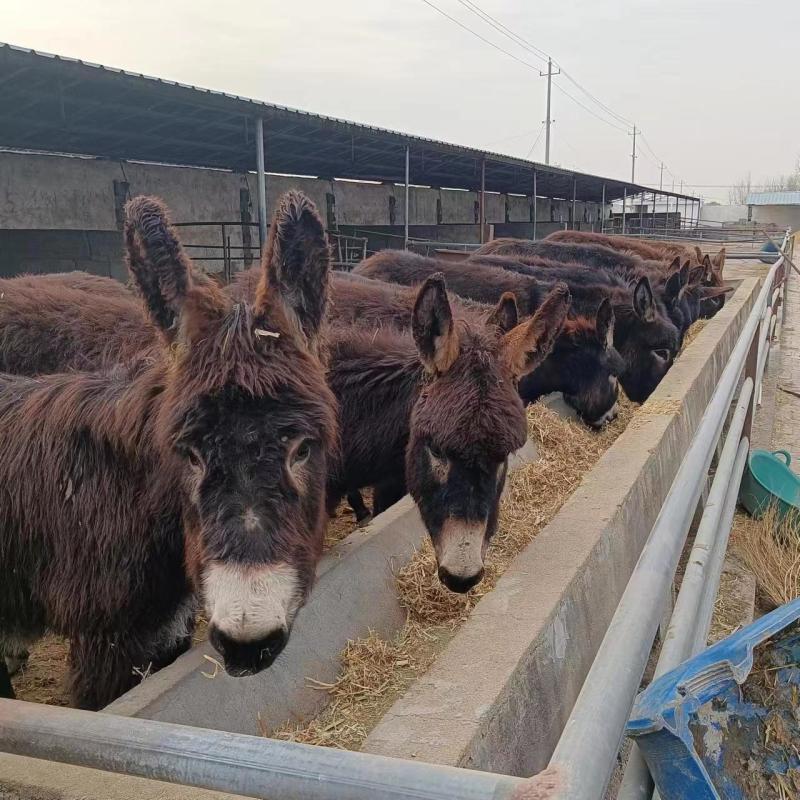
261,180
405,219
482,202
653,216
603,210
641,212
624,203
574,195
534,205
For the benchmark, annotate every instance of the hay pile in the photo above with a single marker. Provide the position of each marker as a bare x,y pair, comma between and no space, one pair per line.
375,672
694,330
771,551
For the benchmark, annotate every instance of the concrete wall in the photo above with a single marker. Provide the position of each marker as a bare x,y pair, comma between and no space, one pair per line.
783,216
734,213
59,212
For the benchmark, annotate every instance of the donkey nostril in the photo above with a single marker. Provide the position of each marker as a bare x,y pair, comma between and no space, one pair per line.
248,657
458,583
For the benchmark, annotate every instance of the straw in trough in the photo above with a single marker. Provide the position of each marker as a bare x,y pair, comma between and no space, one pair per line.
375,672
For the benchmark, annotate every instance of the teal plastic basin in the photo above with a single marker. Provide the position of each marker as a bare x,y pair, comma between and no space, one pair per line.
767,481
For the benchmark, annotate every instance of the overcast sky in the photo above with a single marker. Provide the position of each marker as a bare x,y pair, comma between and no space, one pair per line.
713,85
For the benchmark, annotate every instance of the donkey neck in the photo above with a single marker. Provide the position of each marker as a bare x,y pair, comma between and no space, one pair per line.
377,378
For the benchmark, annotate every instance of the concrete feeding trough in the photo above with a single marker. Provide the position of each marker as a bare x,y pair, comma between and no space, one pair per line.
355,593
498,696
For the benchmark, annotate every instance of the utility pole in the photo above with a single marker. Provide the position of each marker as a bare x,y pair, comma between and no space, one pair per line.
633,157
661,179
547,122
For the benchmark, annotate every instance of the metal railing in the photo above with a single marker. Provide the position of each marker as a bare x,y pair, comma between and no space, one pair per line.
586,753
234,257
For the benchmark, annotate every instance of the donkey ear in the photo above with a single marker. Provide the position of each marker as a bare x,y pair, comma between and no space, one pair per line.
675,265
605,323
699,254
157,262
717,263
709,292
696,276
505,315
643,302
525,347
432,325
296,265
672,288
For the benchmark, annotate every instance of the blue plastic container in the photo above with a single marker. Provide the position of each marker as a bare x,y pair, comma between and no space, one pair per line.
701,738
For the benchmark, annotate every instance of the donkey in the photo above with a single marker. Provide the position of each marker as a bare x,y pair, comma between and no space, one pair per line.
649,249
583,364
436,408
197,469
643,333
592,255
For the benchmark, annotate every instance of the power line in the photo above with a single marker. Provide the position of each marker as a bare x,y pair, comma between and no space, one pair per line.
586,108
542,55
477,35
535,142
504,30
602,105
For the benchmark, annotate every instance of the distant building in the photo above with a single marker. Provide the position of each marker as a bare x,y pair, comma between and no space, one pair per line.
778,208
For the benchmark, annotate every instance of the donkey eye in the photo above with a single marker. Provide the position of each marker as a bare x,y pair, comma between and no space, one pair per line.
194,458
302,454
663,354
435,451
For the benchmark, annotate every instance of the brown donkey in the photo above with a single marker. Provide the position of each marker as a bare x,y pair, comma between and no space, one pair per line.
437,409
199,467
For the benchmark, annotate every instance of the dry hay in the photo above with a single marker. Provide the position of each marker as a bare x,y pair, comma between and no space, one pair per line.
43,678
374,672
343,521
692,332
779,730
732,608
770,549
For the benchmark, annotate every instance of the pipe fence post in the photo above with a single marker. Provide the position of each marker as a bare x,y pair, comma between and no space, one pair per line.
624,203
405,220
261,180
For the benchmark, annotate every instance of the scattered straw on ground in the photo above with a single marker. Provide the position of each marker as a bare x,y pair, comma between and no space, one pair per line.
375,672
770,549
731,608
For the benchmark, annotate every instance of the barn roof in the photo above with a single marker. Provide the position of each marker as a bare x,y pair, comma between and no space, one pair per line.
57,104
773,199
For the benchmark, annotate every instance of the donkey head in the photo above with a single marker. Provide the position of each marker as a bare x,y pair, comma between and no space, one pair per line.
468,419
591,365
247,421
647,341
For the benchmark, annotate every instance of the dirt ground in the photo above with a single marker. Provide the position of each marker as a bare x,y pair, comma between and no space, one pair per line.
43,678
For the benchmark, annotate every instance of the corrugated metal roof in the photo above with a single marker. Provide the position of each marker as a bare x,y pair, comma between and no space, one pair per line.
56,104
773,199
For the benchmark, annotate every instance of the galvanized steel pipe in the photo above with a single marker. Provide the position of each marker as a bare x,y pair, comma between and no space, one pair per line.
700,581
231,762
586,752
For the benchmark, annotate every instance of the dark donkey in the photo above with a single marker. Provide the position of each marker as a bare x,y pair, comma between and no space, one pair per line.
583,364
436,408
199,467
